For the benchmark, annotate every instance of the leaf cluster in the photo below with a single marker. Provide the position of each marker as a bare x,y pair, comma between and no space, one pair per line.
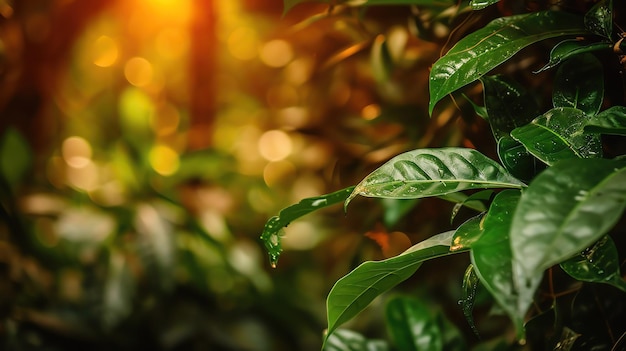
551,200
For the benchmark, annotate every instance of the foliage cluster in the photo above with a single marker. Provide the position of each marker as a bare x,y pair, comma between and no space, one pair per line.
552,204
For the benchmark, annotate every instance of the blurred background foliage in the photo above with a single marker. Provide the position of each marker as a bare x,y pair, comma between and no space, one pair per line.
144,143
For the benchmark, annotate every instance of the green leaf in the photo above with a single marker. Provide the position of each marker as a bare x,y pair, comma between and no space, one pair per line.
598,264
352,293
579,83
564,210
481,4
609,121
412,325
558,135
516,159
433,172
396,210
470,287
493,262
599,20
271,232
481,51
347,340
467,233
572,47
508,105
15,156
475,201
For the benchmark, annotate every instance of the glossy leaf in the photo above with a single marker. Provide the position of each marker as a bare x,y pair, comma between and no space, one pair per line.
412,326
481,51
475,201
599,264
508,105
470,287
352,293
579,83
432,172
481,4
347,340
467,233
272,230
516,158
599,20
609,121
564,210
492,259
558,135
570,48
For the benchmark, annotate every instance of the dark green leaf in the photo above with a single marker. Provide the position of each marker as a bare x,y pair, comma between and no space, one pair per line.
516,158
508,105
572,47
481,4
492,259
412,325
558,135
15,156
347,340
480,111
271,231
579,83
479,52
598,264
352,293
599,20
432,172
470,287
564,210
609,121
475,201
467,233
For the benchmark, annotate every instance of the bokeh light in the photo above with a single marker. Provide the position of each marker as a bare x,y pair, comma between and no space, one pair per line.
275,145
138,71
105,51
164,160
276,53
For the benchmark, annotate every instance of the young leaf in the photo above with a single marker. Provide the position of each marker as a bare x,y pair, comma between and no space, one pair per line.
572,47
470,287
271,231
599,20
558,135
433,172
599,264
609,121
479,52
579,83
352,293
493,261
347,340
564,210
412,325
